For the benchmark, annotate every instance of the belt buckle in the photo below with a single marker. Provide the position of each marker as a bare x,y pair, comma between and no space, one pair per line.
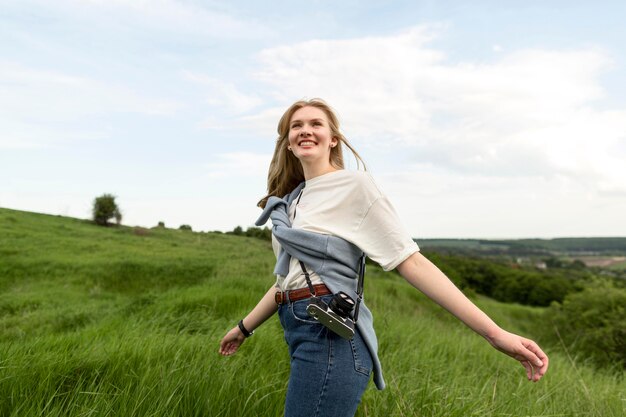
278,297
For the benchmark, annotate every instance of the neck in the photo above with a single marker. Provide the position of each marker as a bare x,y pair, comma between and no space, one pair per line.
315,170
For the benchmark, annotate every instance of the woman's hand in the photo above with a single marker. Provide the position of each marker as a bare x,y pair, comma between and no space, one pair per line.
261,312
524,350
231,342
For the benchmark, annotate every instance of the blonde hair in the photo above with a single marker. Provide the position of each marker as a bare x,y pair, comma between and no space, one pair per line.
285,172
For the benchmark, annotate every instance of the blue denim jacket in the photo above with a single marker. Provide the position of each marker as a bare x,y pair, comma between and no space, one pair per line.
334,259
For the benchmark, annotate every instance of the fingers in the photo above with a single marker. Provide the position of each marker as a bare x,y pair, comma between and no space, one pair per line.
534,360
224,344
529,369
231,342
229,348
224,347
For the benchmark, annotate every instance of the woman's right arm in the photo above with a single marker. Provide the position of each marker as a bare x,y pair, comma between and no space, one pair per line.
426,277
263,310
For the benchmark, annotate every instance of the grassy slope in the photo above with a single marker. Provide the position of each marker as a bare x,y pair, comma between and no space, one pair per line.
97,321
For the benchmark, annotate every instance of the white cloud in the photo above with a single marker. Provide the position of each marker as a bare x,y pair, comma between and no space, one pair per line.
264,123
433,202
373,77
157,16
239,164
39,107
526,113
223,95
57,96
32,134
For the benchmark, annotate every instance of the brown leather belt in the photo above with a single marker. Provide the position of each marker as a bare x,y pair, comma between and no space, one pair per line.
284,297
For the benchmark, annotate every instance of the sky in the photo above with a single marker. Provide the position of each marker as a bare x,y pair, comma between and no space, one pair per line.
483,119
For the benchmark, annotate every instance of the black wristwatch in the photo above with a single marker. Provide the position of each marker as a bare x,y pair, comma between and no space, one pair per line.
243,329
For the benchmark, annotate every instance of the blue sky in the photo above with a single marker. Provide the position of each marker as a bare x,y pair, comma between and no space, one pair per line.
487,119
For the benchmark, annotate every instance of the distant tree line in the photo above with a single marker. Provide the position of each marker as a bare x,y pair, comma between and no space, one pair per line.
528,247
257,232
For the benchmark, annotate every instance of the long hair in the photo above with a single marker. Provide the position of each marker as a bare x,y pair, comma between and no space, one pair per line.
285,172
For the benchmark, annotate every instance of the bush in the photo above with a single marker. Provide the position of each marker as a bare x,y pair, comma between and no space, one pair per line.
185,227
592,323
264,234
141,231
104,209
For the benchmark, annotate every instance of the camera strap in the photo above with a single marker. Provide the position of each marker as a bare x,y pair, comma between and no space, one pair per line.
360,283
308,279
306,274
359,287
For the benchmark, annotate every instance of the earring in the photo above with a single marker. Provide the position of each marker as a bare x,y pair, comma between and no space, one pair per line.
288,147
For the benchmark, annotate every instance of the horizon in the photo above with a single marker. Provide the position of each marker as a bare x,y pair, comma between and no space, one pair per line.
482,119
244,228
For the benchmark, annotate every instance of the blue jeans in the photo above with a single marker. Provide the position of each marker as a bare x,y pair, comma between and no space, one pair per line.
328,373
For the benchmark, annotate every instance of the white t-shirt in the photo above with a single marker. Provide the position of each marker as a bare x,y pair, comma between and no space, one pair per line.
347,204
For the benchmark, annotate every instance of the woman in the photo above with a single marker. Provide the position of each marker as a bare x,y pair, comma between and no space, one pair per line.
327,218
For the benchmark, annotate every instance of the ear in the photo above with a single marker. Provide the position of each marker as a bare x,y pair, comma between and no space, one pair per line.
333,142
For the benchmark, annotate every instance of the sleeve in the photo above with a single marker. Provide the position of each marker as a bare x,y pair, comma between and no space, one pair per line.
382,236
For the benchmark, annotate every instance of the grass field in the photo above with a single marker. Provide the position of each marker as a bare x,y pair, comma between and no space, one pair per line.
126,322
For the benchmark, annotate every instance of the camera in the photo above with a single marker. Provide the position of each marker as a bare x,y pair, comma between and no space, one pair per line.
335,315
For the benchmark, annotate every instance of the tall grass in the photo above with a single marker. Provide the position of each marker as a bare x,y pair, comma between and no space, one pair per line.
126,322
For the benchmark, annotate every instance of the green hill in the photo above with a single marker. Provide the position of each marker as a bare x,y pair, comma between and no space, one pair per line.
126,321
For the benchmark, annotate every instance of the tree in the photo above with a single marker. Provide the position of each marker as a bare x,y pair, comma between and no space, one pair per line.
104,209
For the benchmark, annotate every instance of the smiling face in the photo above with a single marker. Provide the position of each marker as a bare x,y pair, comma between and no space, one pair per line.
310,136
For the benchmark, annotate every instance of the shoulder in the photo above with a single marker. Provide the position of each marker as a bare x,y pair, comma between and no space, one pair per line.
357,186
362,181
344,186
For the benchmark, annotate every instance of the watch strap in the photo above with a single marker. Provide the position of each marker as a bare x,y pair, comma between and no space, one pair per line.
243,329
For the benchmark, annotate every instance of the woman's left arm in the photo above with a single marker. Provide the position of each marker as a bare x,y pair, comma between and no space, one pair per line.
426,277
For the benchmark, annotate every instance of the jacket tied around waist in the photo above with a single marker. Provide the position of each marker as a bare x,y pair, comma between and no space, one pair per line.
334,259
